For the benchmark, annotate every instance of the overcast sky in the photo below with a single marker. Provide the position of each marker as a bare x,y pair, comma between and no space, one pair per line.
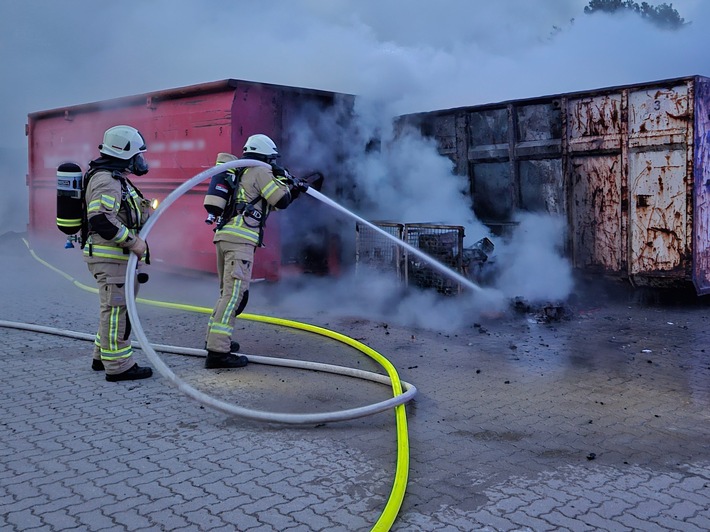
413,55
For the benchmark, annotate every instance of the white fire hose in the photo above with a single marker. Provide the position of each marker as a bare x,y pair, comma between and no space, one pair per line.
226,407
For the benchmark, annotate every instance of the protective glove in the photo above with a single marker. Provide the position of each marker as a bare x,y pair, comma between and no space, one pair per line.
297,187
138,246
279,171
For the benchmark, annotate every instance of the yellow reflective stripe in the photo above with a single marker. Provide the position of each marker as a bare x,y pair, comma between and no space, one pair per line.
229,311
113,331
108,354
108,201
105,252
133,200
223,326
68,222
106,256
238,223
113,352
225,331
246,234
94,206
269,189
122,235
109,249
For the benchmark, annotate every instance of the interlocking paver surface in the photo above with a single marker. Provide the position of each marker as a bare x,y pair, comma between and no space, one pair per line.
596,422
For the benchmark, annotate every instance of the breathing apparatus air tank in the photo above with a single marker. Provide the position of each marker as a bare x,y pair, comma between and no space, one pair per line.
220,189
69,201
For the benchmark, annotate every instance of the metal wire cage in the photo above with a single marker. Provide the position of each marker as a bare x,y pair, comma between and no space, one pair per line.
443,243
374,250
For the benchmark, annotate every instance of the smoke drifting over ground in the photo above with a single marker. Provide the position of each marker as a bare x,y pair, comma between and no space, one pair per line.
377,296
531,264
398,56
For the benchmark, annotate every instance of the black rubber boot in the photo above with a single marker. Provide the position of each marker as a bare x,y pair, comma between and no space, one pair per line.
97,365
224,360
134,373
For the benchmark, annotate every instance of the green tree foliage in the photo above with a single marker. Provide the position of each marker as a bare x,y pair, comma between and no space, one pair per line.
664,15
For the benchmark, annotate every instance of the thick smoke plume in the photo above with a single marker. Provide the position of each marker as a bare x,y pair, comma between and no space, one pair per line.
383,173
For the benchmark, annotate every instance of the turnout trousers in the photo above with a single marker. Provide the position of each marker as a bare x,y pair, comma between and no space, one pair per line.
234,268
112,344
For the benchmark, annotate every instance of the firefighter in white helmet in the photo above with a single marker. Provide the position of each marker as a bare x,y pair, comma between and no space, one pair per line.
256,191
116,210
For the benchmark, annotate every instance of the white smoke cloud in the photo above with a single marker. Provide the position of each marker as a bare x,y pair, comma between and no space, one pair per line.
531,265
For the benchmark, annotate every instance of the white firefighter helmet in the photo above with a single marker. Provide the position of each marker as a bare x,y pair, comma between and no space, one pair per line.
122,142
261,145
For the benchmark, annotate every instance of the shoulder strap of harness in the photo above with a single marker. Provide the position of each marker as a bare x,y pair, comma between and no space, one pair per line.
132,185
231,209
124,193
84,234
235,208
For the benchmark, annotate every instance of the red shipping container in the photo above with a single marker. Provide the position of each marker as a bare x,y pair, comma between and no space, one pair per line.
184,129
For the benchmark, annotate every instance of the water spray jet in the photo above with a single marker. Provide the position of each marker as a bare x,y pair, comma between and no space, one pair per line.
411,249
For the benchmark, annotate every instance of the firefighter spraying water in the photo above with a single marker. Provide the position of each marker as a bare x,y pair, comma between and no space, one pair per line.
240,201
221,185
236,205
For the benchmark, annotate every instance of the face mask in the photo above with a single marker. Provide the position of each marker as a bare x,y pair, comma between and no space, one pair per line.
138,166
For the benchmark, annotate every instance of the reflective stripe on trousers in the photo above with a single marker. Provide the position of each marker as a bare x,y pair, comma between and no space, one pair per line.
113,336
235,276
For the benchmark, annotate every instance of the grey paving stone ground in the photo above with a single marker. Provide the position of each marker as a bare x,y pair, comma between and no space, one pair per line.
599,422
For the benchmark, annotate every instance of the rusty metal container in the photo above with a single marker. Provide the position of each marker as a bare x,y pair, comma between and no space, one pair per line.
184,128
628,167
